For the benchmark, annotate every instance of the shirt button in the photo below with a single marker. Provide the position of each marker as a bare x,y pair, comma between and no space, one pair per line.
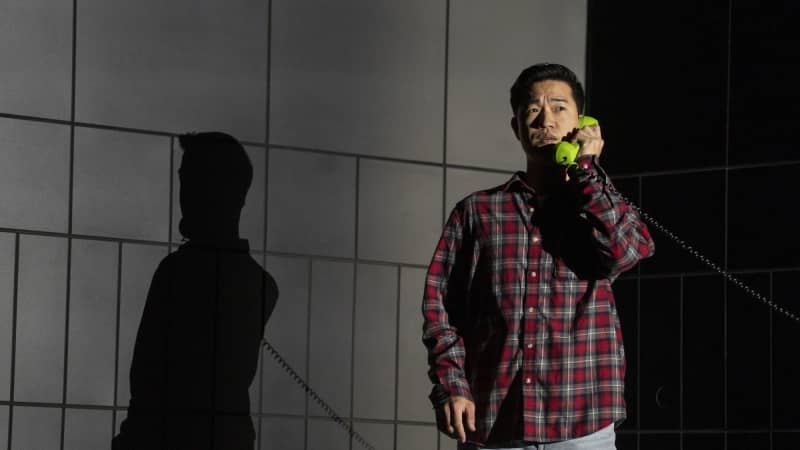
533,274
530,310
530,345
527,380
530,210
535,239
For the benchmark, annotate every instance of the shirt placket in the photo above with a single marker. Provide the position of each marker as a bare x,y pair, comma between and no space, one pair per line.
533,326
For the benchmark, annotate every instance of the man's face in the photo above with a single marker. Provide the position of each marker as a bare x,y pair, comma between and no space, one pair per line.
551,113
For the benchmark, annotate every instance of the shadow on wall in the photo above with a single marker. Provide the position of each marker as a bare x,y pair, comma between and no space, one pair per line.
199,339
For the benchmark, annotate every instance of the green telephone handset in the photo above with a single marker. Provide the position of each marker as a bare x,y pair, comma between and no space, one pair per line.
566,152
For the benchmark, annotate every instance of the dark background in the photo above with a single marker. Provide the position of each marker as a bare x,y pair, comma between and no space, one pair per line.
699,99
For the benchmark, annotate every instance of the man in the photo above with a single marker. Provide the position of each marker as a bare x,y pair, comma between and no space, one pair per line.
524,342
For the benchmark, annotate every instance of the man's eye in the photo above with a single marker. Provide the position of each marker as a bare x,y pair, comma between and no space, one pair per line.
561,108
533,110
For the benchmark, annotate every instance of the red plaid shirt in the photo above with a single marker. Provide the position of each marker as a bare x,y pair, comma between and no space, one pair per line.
520,286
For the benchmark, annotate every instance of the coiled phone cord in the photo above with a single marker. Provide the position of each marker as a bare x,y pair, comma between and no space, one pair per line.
310,392
689,249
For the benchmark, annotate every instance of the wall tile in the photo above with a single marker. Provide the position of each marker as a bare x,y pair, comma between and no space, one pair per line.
36,49
326,435
627,442
703,442
410,437
489,46
121,185
41,319
680,203
121,416
446,443
375,342
748,355
379,435
139,263
703,353
282,433
34,179
660,354
92,322
401,201
87,429
4,427
785,364
688,65
749,441
363,77
660,441
192,66
287,331
7,268
331,335
311,203
36,428
784,441
413,383
759,221
764,56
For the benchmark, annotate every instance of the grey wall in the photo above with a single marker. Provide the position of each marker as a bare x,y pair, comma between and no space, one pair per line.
365,121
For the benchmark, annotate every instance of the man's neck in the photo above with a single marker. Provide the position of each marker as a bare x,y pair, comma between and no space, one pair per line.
545,176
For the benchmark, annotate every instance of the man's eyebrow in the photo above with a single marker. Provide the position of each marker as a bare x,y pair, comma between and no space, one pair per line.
535,101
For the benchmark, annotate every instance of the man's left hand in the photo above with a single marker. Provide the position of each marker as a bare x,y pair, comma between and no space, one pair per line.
590,139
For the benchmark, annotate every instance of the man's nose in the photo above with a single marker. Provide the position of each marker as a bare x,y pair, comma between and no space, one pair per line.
545,119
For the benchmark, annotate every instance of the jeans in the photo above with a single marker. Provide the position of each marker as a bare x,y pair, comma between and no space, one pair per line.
600,440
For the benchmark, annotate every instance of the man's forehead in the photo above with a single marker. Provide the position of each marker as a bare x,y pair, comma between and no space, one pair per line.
553,90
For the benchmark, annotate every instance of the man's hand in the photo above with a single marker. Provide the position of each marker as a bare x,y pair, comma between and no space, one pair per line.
452,417
590,139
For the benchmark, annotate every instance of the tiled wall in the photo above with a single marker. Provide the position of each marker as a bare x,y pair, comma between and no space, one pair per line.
698,105
379,116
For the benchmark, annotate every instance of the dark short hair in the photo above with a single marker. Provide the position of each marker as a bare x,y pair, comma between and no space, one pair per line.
218,161
520,90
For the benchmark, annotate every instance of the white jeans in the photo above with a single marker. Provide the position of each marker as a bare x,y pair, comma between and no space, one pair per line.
600,440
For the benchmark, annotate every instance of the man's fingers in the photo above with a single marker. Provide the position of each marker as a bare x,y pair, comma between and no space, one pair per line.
447,416
470,411
458,424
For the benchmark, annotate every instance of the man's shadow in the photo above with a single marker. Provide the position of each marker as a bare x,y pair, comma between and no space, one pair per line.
200,335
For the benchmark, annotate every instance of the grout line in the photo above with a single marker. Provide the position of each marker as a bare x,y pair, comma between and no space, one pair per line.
355,299
71,215
639,337
681,366
615,175
397,355
445,112
308,349
725,231
771,367
15,301
116,340
445,165
268,79
65,366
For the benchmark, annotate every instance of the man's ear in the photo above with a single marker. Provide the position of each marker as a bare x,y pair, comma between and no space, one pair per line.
515,126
